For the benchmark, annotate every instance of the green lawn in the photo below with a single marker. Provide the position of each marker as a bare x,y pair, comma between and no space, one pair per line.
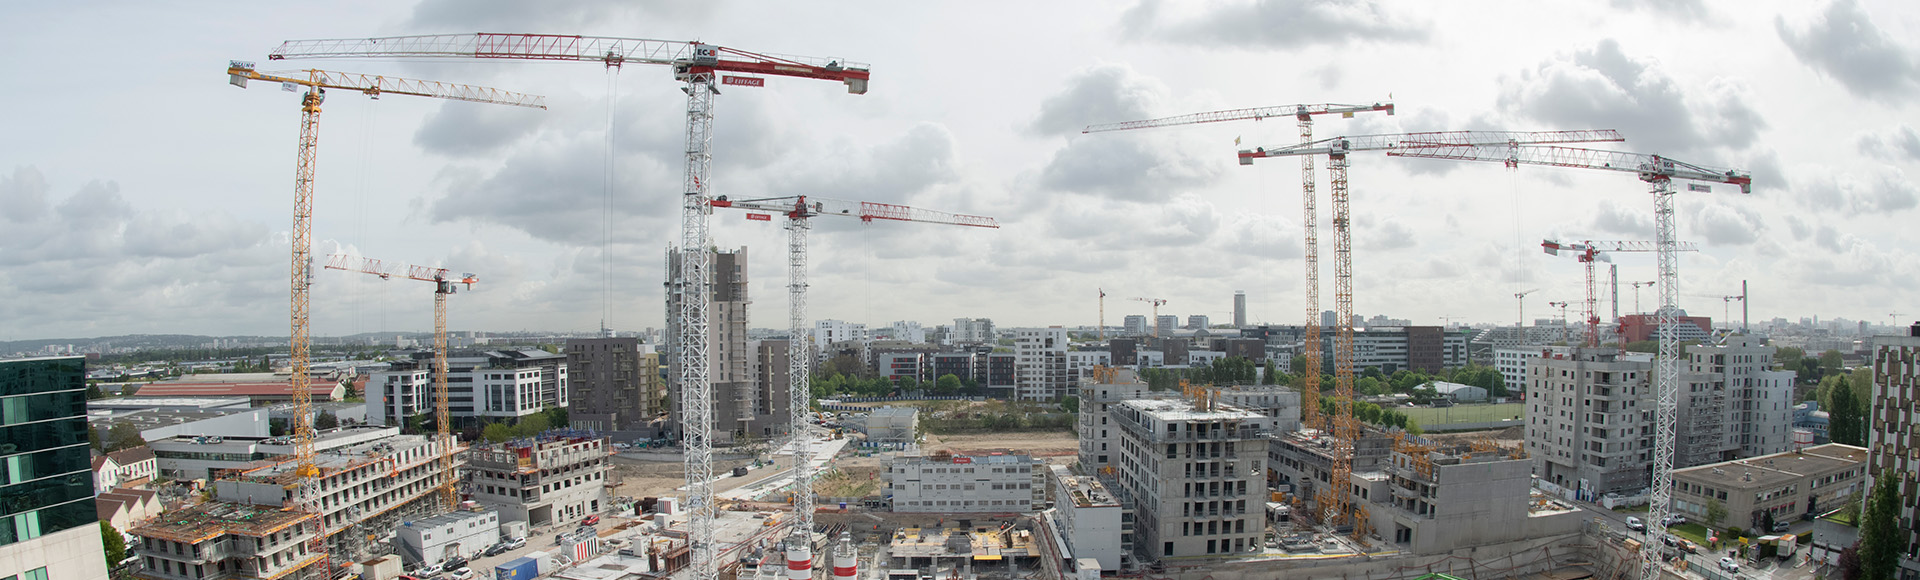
1696,532
1464,413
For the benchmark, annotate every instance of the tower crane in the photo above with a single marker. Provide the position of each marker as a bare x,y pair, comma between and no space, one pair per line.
1636,293
239,73
1103,314
1346,428
1587,253
1309,221
1659,173
443,287
1155,324
799,211
1562,305
697,64
1521,298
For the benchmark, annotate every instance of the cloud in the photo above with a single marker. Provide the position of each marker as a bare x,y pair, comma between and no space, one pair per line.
1388,235
1128,169
1844,44
891,171
23,195
1854,195
512,15
1614,217
1602,87
1105,93
1277,24
1683,10
1900,143
1728,225
461,129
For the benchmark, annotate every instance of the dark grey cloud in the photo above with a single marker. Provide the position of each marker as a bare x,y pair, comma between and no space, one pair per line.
554,16
461,129
1843,43
1106,93
1603,87
1899,143
1276,24
559,193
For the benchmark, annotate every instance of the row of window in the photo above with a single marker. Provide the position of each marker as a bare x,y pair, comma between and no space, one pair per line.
1213,528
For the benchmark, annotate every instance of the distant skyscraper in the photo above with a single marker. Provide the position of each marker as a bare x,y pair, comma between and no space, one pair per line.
1326,318
728,353
1136,324
1166,323
1197,321
1239,308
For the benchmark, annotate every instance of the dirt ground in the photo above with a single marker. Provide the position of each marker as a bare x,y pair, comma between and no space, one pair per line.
1052,445
1508,437
849,475
660,478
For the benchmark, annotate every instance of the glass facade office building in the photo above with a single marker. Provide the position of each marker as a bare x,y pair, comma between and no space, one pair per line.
46,475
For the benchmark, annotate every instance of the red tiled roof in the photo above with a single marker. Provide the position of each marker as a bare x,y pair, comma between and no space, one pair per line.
99,461
132,455
274,389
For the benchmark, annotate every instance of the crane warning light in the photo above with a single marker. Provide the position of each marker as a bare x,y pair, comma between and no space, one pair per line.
760,217
743,81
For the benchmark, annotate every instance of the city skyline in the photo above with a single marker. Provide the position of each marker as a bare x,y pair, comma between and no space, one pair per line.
156,201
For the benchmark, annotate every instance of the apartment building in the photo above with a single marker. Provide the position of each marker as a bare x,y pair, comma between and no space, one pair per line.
196,457
1511,361
730,356
1437,499
1590,422
1788,485
972,331
1098,436
944,483
1417,348
1758,407
1892,440
226,541
1301,462
1090,519
765,408
1134,325
47,522
364,488
550,480
500,384
615,384
1195,475
1040,364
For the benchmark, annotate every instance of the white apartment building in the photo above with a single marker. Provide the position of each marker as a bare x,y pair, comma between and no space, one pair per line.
497,384
971,330
909,331
1040,364
547,481
1196,477
456,534
831,331
1098,436
1135,325
1090,519
1165,323
1511,361
1078,361
227,541
1590,422
1759,410
967,484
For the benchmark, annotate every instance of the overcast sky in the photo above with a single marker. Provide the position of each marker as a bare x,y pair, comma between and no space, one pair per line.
139,193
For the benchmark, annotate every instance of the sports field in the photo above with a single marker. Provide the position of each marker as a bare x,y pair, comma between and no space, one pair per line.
1465,413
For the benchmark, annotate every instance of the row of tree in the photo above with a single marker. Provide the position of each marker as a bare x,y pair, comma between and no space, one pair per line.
1373,415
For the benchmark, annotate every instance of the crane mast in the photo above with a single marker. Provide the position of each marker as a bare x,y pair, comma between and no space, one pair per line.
696,64
1658,172
799,211
1587,253
1154,326
239,74
1336,502
1309,220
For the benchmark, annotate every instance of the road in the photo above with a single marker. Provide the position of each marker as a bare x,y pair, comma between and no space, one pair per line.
1706,563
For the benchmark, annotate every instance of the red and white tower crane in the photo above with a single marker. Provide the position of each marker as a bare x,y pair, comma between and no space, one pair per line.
701,66
1309,216
1337,505
799,211
1587,253
1659,173
1153,326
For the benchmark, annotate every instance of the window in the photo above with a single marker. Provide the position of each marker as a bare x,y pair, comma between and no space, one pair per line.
1168,549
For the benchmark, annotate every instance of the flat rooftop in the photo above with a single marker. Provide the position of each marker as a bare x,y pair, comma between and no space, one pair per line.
140,402
338,459
1778,469
1183,410
198,523
1086,492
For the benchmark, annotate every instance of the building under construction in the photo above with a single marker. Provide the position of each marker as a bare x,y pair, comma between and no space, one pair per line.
363,491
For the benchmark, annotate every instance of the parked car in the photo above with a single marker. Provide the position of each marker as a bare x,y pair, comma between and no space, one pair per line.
1676,519
591,520
1780,527
515,543
454,564
463,574
496,549
1634,523
1729,564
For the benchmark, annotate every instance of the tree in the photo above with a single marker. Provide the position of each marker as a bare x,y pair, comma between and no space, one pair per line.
351,393
1766,521
557,417
1070,404
947,384
1788,356
1413,427
116,544
326,420
1716,512
1830,361
1847,417
122,436
1881,540
93,391
1849,563
1810,369
497,432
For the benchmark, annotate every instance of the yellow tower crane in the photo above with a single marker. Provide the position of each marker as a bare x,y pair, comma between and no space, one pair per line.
443,286
317,82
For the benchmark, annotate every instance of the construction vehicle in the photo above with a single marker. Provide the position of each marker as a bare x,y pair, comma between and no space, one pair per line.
1658,172
702,67
239,74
